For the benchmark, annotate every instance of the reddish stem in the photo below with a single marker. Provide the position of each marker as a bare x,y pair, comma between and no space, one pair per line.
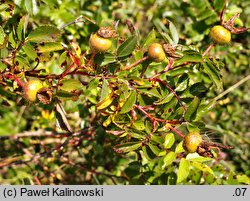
177,132
170,89
208,49
169,66
155,118
91,58
136,63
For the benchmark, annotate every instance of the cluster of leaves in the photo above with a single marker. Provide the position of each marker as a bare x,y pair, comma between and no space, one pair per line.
120,120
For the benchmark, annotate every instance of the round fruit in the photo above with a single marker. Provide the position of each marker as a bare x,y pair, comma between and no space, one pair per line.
156,52
191,141
31,88
100,44
220,35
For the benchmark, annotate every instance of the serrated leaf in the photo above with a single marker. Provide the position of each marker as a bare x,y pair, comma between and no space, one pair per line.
133,169
127,147
169,140
197,88
179,148
2,36
196,157
159,25
30,51
22,62
178,71
151,92
129,104
183,171
213,73
191,57
49,47
174,33
204,109
31,6
22,26
157,139
2,66
147,153
44,34
165,99
70,85
105,102
201,166
149,39
66,95
243,179
192,109
127,47
104,59
167,38
154,149
182,85
105,90
168,159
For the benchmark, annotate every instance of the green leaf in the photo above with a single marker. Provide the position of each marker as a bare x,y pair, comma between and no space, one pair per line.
48,47
128,105
201,166
2,36
22,26
30,51
157,139
183,171
22,62
70,85
154,149
165,99
31,6
104,59
179,148
168,159
133,169
44,34
197,89
127,147
211,70
191,110
65,94
167,38
2,66
190,57
105,90
204,109
169,140
196,157
127,47
149,39
178,71
151,92
243,179
174,33
183,84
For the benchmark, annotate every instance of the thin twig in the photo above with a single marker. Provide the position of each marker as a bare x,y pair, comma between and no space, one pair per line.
152,118
168,67
208,49
136,63
232,88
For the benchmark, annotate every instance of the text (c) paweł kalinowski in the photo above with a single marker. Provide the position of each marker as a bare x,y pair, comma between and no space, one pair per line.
61,192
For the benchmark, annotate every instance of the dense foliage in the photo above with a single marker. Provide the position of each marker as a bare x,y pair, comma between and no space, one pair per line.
118,113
